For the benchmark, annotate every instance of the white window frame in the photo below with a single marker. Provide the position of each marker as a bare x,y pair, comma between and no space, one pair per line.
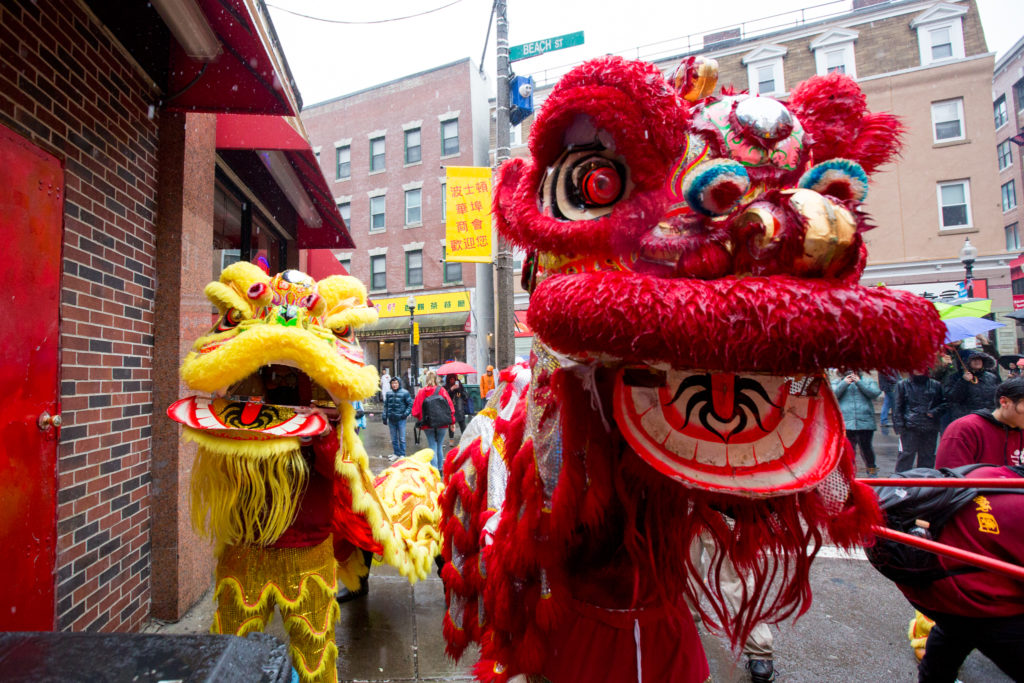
831,41
382,195
959,102
1016,245
766,56
1005,144
407,194
940,16
1012,184
1006,111
373,257
966,183
344,201
384,141
458,134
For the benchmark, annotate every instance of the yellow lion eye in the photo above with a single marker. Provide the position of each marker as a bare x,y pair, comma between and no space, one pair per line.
229,320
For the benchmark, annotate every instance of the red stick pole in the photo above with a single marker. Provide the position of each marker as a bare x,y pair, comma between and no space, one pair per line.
950,482
989,563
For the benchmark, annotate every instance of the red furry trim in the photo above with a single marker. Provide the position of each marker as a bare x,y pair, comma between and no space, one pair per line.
521,220
852,526
777,324
348,526
622,98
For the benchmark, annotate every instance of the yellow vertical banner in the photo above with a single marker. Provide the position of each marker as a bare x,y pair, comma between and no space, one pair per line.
468,214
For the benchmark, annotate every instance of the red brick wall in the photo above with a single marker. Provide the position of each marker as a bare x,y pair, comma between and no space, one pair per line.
417,98
65,86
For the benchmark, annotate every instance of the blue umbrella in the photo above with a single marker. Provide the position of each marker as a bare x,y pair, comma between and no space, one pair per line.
965,328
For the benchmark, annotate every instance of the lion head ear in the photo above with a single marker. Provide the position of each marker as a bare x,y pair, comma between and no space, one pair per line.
346,302
242,286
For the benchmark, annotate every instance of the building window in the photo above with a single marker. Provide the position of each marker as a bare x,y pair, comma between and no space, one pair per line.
414,268
999,111
947,120
413,151
766,78
449,137
452,269
941,42
413,207
1004,154
343,163
444,203
346,263
1018,95
835,60
1012,237
1009,192
940,33
954,204
377,206
378,272
764,70
345,209
377,154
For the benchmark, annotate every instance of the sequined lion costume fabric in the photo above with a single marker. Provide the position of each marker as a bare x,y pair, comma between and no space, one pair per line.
693,267
281,480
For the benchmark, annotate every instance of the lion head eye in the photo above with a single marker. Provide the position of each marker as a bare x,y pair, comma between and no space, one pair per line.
343,332
229,320
585,183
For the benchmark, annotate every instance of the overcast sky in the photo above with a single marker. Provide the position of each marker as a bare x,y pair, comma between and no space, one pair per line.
329,59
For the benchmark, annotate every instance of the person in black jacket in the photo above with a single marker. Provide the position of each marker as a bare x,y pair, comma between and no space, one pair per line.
973,389
915,417
397,407
461,400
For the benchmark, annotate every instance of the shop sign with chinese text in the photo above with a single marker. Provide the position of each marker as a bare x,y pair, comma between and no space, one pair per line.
468,214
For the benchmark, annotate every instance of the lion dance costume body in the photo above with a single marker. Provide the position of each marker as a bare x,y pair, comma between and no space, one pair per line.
281,480
693,267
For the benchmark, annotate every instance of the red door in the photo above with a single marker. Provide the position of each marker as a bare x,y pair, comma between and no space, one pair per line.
31,230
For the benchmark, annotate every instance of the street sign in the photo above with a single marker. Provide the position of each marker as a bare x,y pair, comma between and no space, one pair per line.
539,47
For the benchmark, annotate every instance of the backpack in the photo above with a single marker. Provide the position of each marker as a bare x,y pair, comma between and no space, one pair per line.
436,411
903,505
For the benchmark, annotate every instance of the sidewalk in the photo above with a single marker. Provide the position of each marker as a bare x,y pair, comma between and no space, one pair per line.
394,634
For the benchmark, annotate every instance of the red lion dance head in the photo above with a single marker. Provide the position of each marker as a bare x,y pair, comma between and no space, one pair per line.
694,266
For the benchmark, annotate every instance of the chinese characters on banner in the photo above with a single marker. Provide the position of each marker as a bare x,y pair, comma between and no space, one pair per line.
468,214
445,302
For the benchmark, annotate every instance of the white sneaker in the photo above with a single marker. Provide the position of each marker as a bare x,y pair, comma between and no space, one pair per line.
391,457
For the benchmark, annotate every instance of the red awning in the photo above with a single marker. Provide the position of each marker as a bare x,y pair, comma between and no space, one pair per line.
522,329
321,263
249,76
286,134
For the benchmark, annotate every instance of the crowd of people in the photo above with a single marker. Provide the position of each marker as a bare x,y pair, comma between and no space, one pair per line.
937,416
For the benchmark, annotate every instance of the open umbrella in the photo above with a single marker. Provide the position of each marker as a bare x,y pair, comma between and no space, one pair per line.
963,308
965,328
455,367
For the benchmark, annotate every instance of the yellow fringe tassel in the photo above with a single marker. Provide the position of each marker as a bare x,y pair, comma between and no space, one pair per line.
242,500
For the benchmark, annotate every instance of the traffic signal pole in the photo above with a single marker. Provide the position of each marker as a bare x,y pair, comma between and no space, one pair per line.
504,338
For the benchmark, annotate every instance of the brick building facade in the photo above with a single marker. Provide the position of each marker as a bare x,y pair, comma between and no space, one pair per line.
99,532
928,63
1008,117
384,151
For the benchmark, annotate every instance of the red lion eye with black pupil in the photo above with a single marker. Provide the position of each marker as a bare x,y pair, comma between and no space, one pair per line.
601,186
343,332
229,320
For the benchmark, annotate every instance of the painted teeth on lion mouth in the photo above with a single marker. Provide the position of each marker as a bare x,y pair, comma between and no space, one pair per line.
799,385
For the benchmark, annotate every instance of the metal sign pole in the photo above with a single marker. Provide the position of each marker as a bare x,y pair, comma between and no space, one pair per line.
504,341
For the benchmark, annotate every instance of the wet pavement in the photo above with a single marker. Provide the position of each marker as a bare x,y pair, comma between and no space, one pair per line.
854,631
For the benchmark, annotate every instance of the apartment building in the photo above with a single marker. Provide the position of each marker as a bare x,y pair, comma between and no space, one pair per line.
927,62
384,151
1008,116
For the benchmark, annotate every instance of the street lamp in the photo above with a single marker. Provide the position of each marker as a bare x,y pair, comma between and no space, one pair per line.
968,253
410,303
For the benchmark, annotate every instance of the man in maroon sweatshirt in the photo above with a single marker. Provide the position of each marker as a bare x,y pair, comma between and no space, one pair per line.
993,437
972,608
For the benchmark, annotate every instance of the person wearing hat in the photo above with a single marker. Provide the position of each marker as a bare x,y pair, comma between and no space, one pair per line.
974,388
487,382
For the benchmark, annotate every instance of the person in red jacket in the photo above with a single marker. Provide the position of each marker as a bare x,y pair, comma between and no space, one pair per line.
972,608
435,432
994,437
